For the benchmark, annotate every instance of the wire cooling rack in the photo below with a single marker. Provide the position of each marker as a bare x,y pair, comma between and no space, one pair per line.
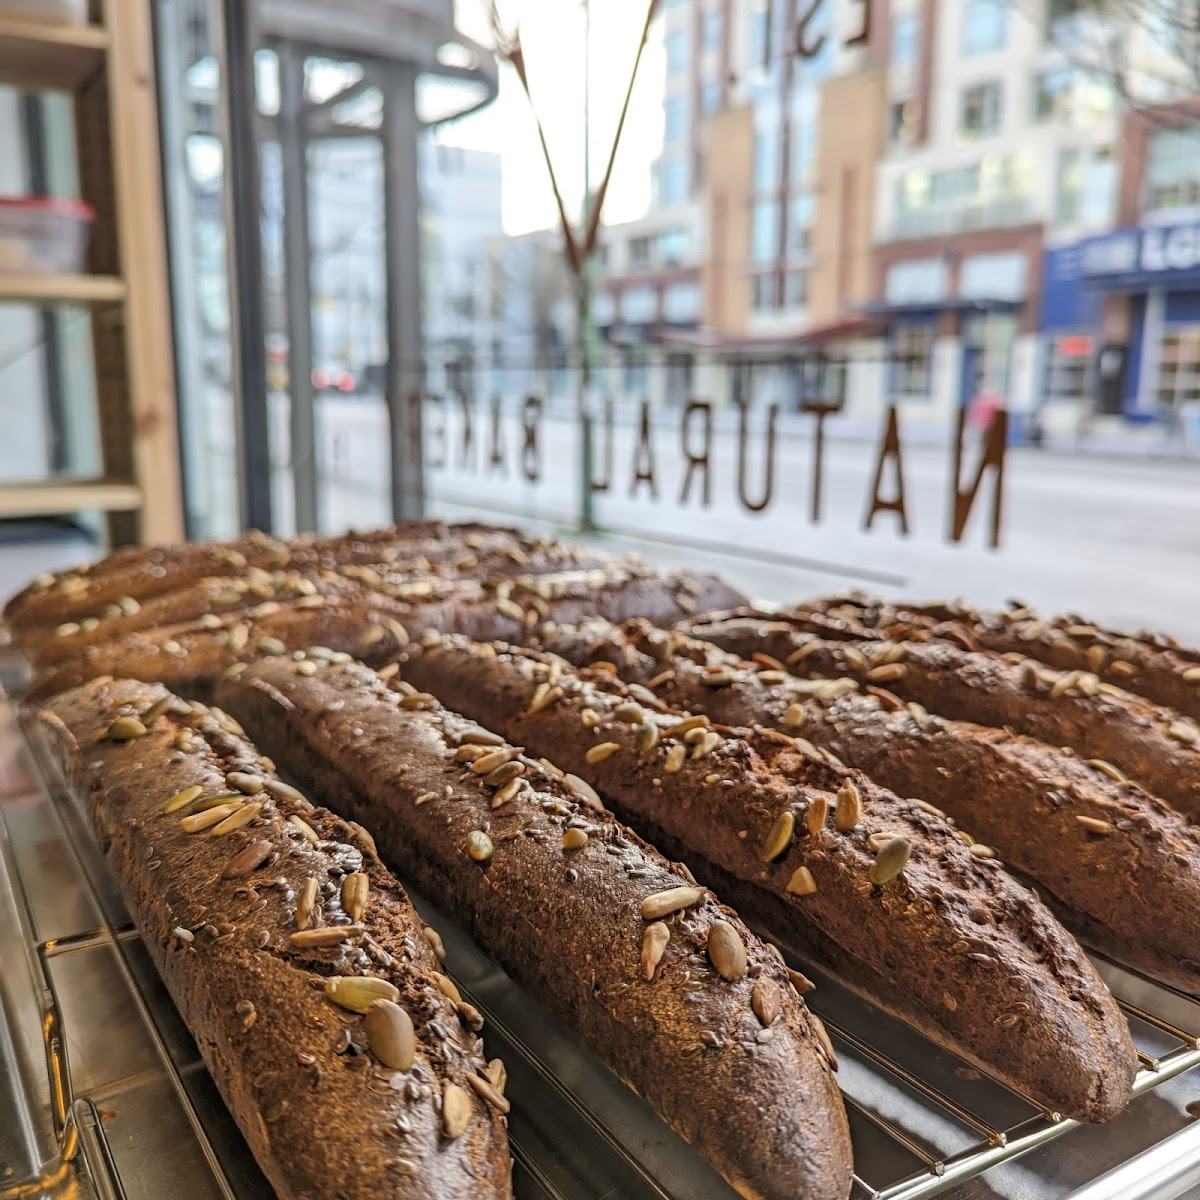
103,1094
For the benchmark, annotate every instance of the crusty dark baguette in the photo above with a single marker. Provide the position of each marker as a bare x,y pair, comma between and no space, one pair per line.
188,657
308,1085
253,592
1073,827
142,571
953,945
1151,665
554,889
139,573
1152,745
260,590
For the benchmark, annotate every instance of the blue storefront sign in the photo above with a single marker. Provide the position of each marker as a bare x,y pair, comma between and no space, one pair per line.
1163,260
1146,256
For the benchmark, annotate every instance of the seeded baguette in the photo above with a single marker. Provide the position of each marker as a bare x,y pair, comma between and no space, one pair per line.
649,971
257,591
1120,867
951,944
1148,664
188,657
331,1102
140,573
1151,745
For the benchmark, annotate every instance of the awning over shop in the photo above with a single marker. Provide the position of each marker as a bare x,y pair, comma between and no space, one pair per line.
886,309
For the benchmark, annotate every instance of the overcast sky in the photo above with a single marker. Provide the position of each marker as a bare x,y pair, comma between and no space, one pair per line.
552,34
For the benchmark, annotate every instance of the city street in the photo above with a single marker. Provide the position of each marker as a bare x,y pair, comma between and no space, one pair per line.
1116,538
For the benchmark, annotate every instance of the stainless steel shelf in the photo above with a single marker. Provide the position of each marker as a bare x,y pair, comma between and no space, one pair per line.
103,1094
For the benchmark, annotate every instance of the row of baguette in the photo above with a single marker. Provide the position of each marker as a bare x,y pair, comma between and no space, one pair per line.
649,969
885,892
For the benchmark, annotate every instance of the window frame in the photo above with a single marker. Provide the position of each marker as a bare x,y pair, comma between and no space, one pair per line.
910,365
987,97
764,224
910,41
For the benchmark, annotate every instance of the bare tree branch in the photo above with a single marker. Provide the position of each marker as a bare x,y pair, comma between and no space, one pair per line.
1148,51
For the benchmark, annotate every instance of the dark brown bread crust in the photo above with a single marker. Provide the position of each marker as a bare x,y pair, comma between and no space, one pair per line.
1129,886
1151,665
759,1102
188,657
258,589
321,1119
255,593
953,946
1151,745
140,573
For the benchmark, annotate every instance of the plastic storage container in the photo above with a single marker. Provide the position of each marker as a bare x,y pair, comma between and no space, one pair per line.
43,236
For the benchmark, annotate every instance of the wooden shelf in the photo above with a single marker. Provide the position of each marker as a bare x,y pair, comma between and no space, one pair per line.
65,289
45,54
56,496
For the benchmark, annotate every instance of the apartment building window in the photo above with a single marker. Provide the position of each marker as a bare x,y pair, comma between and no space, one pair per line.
1000,276
681,303
674,118
918,281
671,178
635,373
800,222
712,30
1179,368
766,160
795,289
1067,368
985,26
905,33
764,231
604,308
1072,21
1062,94
1100,182
957,185
641,252
639,305
1086,187
911,355
672,246
710,97
1052,92
762,292
1173,169
1068,178
981,109
902,122
804,150
676,46
759,34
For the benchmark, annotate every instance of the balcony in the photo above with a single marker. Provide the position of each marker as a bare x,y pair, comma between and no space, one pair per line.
938,220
